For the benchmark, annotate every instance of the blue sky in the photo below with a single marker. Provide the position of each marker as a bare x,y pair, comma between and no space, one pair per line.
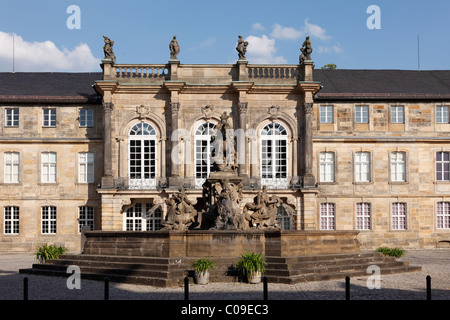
207,32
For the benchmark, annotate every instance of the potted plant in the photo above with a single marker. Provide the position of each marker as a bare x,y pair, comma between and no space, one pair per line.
46,252
201,268
251,265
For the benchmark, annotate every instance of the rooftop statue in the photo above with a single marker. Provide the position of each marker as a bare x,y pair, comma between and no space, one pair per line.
241,48
306,50
108,49
174,48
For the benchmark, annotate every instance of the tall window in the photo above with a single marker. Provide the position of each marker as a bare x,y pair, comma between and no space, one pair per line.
326,166
48,167
443,215
202,156
86,118
85,167
442,166
85,218
362,166
362,114
363,216
327,217
442,114
397,114
274,156
11,168
49,117
399,216
11,221
326,114
142,156
48,220
284,218
12,117
398,167
137,220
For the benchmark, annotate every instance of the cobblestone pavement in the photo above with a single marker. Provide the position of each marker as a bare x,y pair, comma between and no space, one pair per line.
407,286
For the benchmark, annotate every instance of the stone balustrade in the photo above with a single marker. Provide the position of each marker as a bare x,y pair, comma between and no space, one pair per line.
147,71
285,72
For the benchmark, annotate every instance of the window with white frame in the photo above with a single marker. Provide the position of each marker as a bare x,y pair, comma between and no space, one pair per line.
12,117
85,167
327,216
326,167
284,218
442,114
274,155
86,118
443,166
153,221
85,217
11,167
48,220
399,216
142,156
362,114
48,167
362,167
443,215
363,216
136,218
398,166
397,114
11,220
202,154
326,114
49,118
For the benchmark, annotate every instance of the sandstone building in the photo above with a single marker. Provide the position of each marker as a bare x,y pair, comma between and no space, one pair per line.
364,150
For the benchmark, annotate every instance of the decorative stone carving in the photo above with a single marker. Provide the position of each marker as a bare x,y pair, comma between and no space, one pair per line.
108,49
242,107
241,48
228,197
273,111
180,212
108,107
306,50
222,141
174,107
143,111
308,107
207,111
174,48
262,213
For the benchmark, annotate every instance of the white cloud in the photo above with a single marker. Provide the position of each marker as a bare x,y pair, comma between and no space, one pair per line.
44,56
257,27
286,33
314,30
336,49
261,50
290,33
208,42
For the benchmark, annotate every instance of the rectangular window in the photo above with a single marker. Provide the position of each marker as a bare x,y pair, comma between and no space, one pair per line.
49,118
442,166
48,167
362,167
85,167
153,221
398,167
442,114
443,215
48,220
86,118
85,218
12,117
399,216
327,218
12,162
11,222
326,114
362,114
326,166
363,216
397,114
133,221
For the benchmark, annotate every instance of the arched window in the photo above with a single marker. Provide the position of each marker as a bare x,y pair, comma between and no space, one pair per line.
202,153
142,156
274,156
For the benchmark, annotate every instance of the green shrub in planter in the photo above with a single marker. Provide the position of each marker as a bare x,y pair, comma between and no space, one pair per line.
201,268
251,264
46,252
392,252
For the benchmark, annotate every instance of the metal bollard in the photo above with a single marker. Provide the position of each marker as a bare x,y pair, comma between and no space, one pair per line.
106,288
186,288
265,289
347,288
25,288
428,288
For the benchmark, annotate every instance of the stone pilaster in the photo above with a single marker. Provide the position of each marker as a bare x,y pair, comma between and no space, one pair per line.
242,143
174,179
107,178
308,179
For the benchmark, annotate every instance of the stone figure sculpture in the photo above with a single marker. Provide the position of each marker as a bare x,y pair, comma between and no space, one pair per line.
228,208
306,50
262,213
174,48
108,49
241,48
180,212
222,142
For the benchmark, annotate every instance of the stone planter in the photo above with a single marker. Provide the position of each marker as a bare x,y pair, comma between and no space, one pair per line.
255,277
202,277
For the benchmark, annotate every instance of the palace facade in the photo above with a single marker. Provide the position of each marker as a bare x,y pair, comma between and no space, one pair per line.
365,150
